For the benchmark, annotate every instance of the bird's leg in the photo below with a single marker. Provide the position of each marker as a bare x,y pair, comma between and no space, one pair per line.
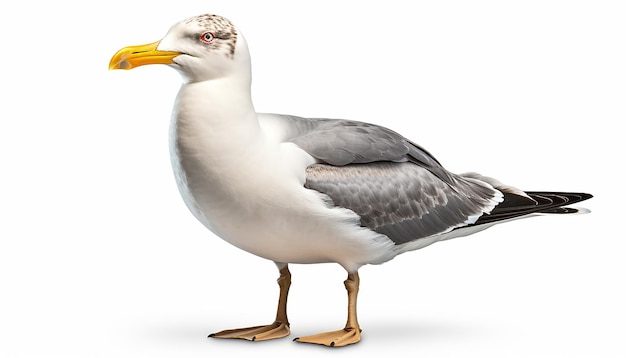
278,329
352,332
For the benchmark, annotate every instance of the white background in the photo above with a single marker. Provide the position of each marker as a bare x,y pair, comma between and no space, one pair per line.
100,258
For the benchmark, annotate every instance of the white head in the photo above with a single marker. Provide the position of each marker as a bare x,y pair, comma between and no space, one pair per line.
201,48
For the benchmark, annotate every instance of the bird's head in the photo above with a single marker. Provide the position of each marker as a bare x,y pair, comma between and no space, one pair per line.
202,48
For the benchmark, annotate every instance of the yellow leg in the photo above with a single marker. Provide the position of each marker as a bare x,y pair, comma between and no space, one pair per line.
278,329
352,332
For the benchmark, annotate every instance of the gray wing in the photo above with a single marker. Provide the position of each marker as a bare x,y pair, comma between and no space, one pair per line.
340,142
404,201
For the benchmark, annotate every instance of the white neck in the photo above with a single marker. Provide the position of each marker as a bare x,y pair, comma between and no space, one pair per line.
215,112
214,126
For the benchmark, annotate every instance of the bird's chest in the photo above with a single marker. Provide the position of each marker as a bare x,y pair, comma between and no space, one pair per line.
226,183
212,187
241,206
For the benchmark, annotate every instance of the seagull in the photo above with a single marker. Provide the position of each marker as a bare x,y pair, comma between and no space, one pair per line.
299,190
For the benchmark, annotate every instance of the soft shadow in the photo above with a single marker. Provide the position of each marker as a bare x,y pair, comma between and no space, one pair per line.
177,332
376,332
194,333
402,330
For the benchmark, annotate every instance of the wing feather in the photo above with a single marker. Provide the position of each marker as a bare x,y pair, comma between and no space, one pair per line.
341,142
404,201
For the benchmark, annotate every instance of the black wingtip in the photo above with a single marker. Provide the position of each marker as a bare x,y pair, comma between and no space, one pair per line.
586,196
545,202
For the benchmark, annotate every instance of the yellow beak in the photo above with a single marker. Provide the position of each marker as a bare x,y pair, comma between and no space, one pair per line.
135,56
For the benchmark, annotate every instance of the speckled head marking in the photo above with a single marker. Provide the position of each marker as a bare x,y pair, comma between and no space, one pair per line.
223,31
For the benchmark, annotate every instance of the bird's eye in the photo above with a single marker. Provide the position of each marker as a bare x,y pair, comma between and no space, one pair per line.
207,37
